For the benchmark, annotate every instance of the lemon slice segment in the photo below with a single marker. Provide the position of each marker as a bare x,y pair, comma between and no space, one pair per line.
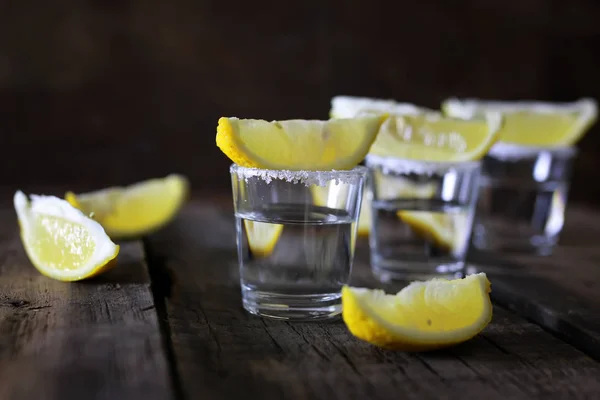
60,241
262,237
365,218
297,144
350,107
423,316
447,231
135,210
531,123
433,137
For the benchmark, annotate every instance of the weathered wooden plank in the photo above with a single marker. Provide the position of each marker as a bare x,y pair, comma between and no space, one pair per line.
223,352
96,339
560,291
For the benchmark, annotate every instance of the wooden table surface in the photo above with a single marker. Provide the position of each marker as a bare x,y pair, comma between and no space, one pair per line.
168,324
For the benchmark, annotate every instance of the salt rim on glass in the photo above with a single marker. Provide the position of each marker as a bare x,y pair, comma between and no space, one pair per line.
428,168
307,178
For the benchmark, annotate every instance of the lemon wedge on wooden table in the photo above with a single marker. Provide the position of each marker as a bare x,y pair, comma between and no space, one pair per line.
423,316
532,123
60,241
135,210
262,237
335,144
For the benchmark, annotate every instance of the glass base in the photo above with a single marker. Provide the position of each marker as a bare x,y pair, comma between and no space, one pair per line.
538,244
393,270
306,307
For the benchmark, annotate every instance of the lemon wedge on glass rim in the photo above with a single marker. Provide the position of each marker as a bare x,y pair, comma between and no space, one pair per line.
335,144
434,137
134,210
60,241
423,316
532,123
418,133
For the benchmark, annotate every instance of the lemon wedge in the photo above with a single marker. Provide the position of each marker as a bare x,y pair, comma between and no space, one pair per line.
350,107
297,144
366,216
531,123
60,241
262,237
135,210
434,137
423,316
447,231
419,133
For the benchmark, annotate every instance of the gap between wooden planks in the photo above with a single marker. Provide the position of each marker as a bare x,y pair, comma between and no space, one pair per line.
222,352
96,339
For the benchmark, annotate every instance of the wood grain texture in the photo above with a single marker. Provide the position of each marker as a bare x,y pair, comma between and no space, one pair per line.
560,291
95,339
223,352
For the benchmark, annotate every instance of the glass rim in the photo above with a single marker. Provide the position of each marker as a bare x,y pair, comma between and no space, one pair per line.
300,176
406,165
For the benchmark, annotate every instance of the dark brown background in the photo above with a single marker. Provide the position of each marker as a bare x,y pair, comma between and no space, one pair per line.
96,92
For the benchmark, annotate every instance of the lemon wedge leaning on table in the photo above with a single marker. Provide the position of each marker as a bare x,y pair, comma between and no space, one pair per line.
60,241
262,237
135,210
532,123
423,316
335,144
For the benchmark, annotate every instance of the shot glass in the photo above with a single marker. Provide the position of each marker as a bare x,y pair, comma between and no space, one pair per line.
522,200
422,217
296,232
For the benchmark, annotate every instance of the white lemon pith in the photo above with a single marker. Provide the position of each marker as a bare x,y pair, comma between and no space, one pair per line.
335,144
60,241
350,107
423,316
134,210
532,123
